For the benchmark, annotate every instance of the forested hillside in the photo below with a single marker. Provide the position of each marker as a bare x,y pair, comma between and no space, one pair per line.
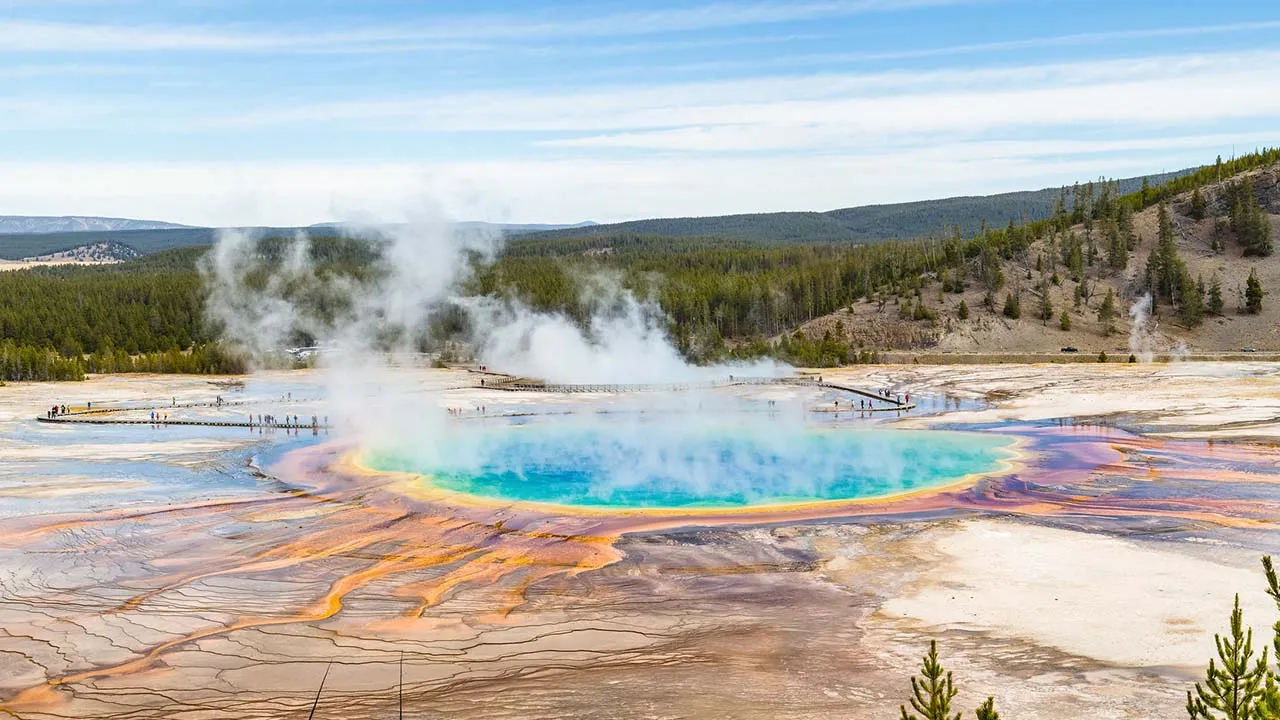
1006,289
1200,245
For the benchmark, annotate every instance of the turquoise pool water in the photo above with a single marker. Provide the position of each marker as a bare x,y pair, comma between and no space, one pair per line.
679,465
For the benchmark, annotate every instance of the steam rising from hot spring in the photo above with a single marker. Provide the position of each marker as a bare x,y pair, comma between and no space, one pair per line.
416,278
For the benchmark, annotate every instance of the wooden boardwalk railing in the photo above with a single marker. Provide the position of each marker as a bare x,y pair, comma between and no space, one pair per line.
517,385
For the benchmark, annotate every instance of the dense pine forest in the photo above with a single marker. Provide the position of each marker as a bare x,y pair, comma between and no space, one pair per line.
723,297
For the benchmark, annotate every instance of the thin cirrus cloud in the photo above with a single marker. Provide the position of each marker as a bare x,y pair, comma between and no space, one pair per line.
853,124
795,112
1037,43
44,36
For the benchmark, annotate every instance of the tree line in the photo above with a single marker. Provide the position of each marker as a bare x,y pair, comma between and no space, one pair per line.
722,297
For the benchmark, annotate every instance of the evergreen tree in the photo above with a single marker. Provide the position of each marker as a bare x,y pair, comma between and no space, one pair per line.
987,710
1234,690
1064,322
1215,296
1127,233
1117,247
1198,209
1190,300
1270,705
931,697
1253,293
1107,312
1012,307
1164,267
1151,277
1046,305
1249,222
962,312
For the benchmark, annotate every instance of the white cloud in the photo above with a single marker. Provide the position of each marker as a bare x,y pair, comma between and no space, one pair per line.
37,36
1150,89
573,189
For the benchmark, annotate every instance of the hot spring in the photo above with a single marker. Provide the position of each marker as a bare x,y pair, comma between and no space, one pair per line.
678,463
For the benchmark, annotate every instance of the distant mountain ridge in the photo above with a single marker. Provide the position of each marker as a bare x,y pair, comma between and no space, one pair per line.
21,246
861,224
44,224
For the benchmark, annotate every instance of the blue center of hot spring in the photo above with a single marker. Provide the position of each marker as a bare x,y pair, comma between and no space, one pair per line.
674,465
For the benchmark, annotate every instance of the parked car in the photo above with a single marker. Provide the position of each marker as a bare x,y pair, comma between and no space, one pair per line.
1248,349
1071,349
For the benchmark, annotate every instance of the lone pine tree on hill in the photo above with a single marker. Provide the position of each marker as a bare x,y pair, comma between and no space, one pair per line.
1215,296
1190,300
1198,208
1046,305
1107,312
1253,293
1012,307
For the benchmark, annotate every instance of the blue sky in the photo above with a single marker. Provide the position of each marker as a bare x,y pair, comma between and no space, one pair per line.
289,112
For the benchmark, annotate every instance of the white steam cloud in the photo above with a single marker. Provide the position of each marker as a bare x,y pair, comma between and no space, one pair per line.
265,305
1141,333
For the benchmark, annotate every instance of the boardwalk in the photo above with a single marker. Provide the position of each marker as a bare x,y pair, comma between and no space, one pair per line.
105,415
195,423
94,416
521,385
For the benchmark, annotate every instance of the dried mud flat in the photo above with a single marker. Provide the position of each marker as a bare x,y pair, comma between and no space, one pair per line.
1088,584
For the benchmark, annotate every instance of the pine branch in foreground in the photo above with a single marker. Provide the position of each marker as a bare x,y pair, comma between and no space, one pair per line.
1235,689
931,697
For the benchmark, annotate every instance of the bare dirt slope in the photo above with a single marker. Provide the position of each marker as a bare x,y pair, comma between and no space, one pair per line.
872,326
